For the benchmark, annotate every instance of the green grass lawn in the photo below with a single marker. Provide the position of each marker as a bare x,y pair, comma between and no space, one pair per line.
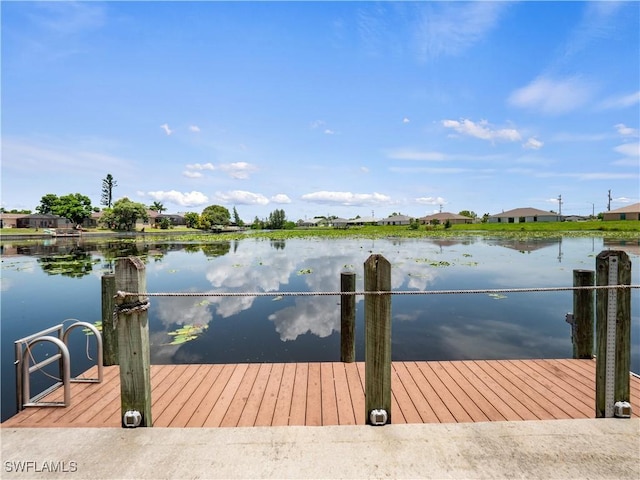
622,229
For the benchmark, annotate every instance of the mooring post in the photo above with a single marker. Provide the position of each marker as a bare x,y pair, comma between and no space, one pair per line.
613,334
347,318
133,344
377,345
583,314
109,333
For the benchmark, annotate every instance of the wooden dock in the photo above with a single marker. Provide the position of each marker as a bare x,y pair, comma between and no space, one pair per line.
330,393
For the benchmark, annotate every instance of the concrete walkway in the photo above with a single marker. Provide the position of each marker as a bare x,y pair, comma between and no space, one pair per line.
562,449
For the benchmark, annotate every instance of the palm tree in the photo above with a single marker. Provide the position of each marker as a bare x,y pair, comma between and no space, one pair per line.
157,207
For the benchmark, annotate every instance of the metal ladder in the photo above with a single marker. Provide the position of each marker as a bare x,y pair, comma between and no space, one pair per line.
59,337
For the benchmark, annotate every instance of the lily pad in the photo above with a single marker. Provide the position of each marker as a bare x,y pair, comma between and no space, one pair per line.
497,296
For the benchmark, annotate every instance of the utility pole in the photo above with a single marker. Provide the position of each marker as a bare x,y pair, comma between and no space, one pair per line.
559,204
609,202
440,208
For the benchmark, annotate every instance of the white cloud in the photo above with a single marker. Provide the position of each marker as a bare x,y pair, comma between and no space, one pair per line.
166,129
200,166
622,101
533,144
626,131
329,132
347,198
552,96
317,124
280,198
239,170
430,201
628,149
416,155
242,197
482,130
188,199
194,128
364,169
449,28
405,120
191,174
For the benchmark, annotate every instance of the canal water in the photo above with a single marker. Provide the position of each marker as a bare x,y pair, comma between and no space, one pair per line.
51,282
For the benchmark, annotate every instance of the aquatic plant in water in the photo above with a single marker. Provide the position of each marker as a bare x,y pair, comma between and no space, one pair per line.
186,333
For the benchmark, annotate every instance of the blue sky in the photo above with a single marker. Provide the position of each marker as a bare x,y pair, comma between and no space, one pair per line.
323,108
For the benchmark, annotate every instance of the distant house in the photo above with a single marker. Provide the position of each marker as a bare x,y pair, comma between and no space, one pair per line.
396,220
339,222
174,218
10,220
47,220
525,215
313,222
630,212
444,217
363,221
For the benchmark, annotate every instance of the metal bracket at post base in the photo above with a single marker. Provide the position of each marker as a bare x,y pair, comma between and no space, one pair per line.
378,417
622,410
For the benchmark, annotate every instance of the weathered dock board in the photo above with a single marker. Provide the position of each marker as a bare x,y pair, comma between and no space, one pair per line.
333,394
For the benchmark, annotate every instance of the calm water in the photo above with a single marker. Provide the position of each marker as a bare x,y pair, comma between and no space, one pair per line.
47,283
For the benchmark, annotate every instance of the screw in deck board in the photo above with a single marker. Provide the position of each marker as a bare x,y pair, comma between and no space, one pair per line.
377,346
133,341
347,318
622,364
583,314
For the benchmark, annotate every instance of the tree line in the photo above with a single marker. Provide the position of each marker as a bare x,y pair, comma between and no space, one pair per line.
123,214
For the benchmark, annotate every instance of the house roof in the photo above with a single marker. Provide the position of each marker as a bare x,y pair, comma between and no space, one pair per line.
445,216
364,220
525,212
633,208
397,218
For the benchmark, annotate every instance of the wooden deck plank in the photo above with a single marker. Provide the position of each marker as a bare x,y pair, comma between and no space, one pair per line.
415,407
210,374
448,398
299,396
251,408
474,395
547,389
285,396
205,407
346,414
434,401
356,390
462,397
329,405
172,395
508,406
214,419
566,378
268,405
314,396
333,393
163,416
542,409
241,397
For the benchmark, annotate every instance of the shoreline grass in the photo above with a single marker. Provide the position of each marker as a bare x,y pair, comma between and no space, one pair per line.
627,229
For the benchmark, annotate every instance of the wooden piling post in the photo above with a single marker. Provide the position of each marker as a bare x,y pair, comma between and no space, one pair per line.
109,333
613,267
377,347
583,314
347,318
133,340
